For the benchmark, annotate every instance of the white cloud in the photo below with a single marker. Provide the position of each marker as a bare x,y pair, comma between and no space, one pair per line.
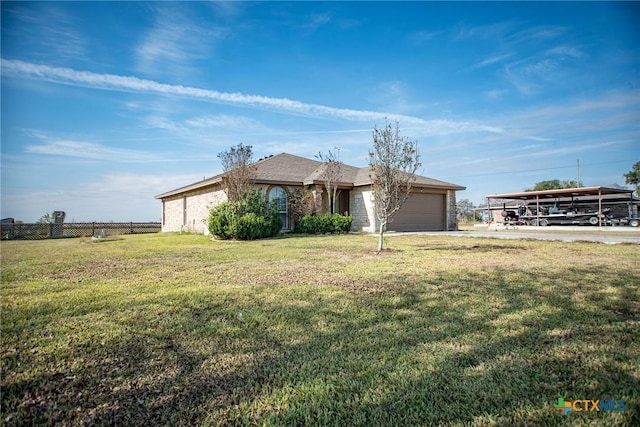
21,69
316,20
420,37
496,31
495,94
492,60
51,145
226,121
49,28
566,51
569,149
173,42
537,34
540,67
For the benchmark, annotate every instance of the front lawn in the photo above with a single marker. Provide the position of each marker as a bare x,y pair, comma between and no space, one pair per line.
173,329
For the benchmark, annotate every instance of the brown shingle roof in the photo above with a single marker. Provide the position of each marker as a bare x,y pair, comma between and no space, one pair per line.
285,168
294,170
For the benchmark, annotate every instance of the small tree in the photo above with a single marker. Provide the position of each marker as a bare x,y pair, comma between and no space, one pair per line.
331,176
301,203
239,171
633,177
48,218
393,160
466,210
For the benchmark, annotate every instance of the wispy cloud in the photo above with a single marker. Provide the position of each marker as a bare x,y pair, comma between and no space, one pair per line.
564,150
615,100
496,31
420,37
173,42
68,76
566,51
541,67
316,20
55,146
495,94
494,59
537,34
52,31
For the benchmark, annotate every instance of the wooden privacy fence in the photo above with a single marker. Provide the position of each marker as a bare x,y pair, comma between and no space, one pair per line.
76,229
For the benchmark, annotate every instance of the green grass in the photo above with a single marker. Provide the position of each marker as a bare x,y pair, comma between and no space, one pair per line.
175,329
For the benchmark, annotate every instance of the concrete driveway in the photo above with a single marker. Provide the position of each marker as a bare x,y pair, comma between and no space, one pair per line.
603,236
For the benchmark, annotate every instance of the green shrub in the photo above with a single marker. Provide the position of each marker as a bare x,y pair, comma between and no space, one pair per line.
342,223
223,220
275,224
319,224
251,226
244,220
255,202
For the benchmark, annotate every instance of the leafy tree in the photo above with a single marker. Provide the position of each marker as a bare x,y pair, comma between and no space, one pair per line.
393,160
331,175
48,218
572,183
554,184
465,210
239,171
633,177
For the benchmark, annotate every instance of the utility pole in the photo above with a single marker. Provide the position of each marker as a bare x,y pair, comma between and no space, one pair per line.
578,173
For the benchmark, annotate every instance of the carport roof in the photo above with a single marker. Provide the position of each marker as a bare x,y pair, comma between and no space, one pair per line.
565,192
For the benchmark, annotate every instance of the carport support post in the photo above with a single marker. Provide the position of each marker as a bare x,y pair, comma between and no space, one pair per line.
599,207
488,218
537,210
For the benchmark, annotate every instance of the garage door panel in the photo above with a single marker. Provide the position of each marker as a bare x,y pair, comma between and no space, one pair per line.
421,212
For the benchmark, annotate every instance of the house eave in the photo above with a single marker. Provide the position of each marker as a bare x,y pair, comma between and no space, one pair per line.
191,187
418,185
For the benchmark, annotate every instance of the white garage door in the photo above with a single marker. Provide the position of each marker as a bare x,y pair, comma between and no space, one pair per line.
421,212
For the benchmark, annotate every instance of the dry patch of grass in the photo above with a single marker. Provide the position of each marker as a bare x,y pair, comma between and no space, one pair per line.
178,329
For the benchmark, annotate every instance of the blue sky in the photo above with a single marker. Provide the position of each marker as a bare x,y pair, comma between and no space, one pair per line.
105,105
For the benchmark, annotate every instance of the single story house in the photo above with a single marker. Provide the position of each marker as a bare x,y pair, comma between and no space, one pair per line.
431,207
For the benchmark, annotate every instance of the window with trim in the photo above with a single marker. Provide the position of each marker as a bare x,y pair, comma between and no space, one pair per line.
278,201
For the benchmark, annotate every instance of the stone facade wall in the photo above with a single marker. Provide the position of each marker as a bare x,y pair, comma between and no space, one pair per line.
361,206
172,213
190,211
452,215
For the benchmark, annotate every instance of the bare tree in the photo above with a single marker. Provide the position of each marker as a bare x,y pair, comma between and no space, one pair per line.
393,160
239,171
331,176
301,203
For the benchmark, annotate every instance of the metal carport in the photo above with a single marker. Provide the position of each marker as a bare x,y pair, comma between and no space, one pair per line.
546,195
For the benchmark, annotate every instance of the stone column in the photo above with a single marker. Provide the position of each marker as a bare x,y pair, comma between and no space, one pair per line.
452,220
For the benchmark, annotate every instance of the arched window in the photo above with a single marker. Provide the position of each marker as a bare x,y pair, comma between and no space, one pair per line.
278,201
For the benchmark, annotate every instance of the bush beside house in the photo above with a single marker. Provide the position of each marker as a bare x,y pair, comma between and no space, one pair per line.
319,224
247,219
